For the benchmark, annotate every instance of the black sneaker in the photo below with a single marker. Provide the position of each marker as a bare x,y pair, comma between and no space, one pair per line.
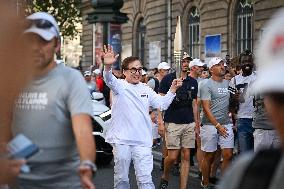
163,184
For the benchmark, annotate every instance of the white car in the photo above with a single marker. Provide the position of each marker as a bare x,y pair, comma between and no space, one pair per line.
100,121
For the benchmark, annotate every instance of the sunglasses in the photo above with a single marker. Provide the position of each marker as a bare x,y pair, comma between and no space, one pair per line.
39,23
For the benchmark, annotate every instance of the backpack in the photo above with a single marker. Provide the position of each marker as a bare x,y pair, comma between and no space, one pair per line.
260,171
234,103
157,84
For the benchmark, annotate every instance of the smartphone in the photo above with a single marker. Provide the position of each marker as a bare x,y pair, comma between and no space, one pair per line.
21,147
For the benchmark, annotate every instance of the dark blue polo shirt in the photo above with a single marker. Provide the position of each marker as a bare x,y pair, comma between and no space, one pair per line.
180,112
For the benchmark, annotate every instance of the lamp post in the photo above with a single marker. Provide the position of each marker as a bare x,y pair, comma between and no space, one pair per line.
106,19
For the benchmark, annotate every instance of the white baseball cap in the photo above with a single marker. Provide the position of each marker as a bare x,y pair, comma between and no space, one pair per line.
87,73
164,66
185,55
214,61
195,62
270,57
97,71
44,25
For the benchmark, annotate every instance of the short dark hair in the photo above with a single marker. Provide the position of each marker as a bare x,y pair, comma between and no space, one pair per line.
127,61
246,53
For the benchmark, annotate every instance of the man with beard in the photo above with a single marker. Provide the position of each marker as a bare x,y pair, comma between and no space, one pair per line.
238,87
180,122
54,112
196,68
216,128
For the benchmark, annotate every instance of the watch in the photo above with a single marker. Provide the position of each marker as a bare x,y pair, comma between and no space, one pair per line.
90,164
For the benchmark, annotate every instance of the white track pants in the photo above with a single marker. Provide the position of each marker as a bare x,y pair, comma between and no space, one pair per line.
143,164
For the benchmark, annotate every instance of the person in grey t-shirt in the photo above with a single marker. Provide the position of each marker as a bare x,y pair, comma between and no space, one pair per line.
54,112
264,134
216,128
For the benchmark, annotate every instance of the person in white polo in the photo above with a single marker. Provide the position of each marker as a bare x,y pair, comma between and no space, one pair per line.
216,127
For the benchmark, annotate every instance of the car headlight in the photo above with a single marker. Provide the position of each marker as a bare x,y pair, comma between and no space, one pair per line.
106,115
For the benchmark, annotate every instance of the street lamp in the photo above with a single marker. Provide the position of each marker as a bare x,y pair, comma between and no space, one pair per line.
107,20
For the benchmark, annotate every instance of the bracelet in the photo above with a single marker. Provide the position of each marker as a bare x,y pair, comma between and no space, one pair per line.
218,125
91,165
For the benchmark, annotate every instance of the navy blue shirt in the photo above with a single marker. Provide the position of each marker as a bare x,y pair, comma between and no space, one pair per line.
180,110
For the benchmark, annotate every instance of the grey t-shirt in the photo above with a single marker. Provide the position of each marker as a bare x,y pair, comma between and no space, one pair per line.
200,83
43,113
217,93
199,79
260,119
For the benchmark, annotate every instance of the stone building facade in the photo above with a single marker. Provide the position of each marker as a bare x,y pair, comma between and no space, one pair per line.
152,24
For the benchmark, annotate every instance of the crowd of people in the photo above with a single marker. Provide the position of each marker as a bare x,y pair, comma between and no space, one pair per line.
218,108
213,112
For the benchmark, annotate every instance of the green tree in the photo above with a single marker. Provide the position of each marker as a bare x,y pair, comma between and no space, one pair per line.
66,12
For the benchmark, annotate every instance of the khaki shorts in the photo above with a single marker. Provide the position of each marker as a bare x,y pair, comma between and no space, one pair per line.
180,135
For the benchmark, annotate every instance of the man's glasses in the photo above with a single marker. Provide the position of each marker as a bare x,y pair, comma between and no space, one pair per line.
134,70
39,23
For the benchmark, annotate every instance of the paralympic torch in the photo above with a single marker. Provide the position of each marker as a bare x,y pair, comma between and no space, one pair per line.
178,48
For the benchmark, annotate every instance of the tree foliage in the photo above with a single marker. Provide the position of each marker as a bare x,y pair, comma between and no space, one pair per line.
66,12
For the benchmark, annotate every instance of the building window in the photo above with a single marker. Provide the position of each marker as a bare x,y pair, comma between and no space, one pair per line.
244,26
194,33
141,40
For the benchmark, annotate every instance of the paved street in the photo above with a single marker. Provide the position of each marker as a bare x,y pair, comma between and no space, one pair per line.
104,178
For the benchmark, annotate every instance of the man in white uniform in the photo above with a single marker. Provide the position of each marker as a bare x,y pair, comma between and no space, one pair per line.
130,131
